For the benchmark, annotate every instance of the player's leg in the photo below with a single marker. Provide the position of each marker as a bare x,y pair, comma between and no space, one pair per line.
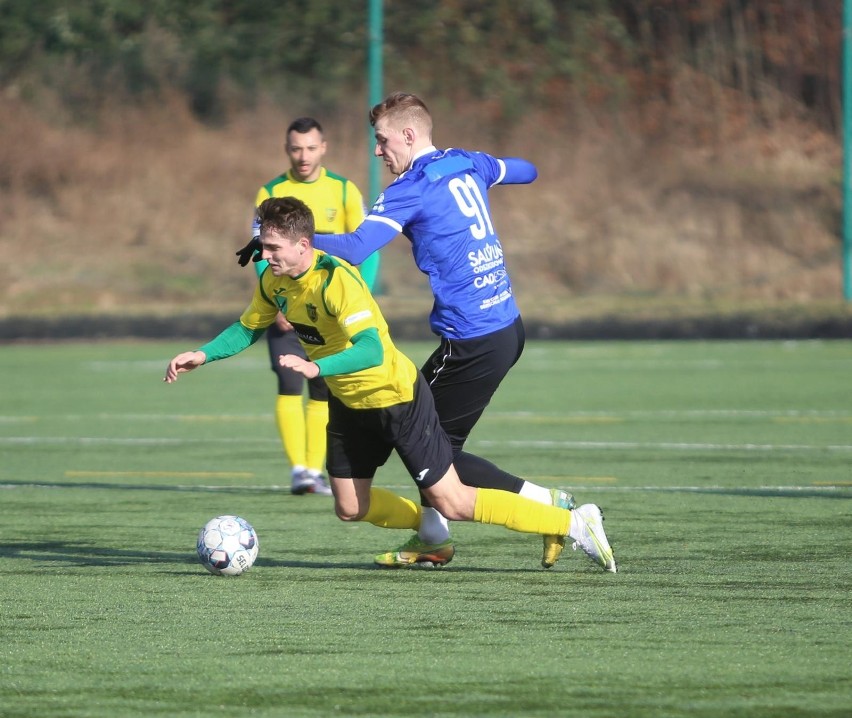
463,376
359,500
427,454
356,450
289,406
583,525
316,420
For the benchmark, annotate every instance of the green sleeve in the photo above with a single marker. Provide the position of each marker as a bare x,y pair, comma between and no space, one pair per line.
366,352
231,341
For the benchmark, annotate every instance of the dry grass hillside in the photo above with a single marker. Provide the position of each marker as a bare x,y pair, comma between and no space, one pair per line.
142,212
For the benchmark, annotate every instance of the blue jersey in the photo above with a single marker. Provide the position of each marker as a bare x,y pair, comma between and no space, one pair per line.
441,205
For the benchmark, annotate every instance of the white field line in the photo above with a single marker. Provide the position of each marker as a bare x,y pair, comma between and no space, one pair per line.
680,414
676,414
159,474
523,444
137,417
657,362
158,366
662,445
128,441
840,486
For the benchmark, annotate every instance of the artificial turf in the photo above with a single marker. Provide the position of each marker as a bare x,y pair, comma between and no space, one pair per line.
724,471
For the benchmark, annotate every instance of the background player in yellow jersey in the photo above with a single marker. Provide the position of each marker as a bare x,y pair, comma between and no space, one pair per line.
379,401
338,206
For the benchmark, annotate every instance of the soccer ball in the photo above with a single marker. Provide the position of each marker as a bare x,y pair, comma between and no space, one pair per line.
227,545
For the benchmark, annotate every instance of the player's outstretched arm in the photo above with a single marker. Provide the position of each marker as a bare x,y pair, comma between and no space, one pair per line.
373,234
183,362
518,171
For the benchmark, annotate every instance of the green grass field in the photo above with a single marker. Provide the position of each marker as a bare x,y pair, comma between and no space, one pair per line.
724,471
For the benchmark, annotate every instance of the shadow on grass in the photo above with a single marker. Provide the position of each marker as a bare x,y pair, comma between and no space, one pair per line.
827,492
82,554
380,571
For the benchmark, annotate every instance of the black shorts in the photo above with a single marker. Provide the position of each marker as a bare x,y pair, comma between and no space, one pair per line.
361,440
464,374
290,383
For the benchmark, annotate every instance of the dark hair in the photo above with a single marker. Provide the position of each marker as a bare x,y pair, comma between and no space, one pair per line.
304,125
288,216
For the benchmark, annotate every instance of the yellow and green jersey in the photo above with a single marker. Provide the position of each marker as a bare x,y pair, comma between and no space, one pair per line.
336,202
329,305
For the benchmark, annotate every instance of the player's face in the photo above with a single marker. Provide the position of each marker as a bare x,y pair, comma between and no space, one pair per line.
285,257
305,151
393,146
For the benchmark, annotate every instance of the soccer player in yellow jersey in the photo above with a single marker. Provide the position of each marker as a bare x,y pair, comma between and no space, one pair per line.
379,401
337,206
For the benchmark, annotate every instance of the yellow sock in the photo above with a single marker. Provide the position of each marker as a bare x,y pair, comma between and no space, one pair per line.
290,417
519,514
316,420
390,511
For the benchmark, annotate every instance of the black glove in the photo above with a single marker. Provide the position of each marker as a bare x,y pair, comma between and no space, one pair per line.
250,251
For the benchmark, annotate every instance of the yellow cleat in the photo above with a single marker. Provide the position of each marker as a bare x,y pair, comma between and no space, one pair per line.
416,554
553,545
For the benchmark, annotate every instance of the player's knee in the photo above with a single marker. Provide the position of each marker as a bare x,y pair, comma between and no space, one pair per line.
454,506
451,511
350,512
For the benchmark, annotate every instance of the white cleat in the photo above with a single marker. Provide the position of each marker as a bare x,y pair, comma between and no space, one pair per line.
303,483
588,534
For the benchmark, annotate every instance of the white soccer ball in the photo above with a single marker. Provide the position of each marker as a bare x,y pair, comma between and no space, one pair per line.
227,545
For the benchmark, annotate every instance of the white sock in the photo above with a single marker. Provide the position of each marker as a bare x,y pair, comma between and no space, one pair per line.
536,493
577,527
434,528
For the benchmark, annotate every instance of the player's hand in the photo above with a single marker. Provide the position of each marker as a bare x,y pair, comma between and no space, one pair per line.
182,363
250,251
306,368
282,323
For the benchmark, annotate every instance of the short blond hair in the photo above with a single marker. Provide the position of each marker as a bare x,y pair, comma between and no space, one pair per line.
402,108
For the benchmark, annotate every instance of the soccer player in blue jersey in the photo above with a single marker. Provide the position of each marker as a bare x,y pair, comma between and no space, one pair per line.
439,201
379,401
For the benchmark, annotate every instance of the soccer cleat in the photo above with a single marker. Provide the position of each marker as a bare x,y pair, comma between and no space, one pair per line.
562,499
588,533
303,483
553,545
416,554
321,486
306,482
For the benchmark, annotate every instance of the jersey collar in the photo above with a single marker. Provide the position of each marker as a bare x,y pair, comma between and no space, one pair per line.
293,178
425,151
